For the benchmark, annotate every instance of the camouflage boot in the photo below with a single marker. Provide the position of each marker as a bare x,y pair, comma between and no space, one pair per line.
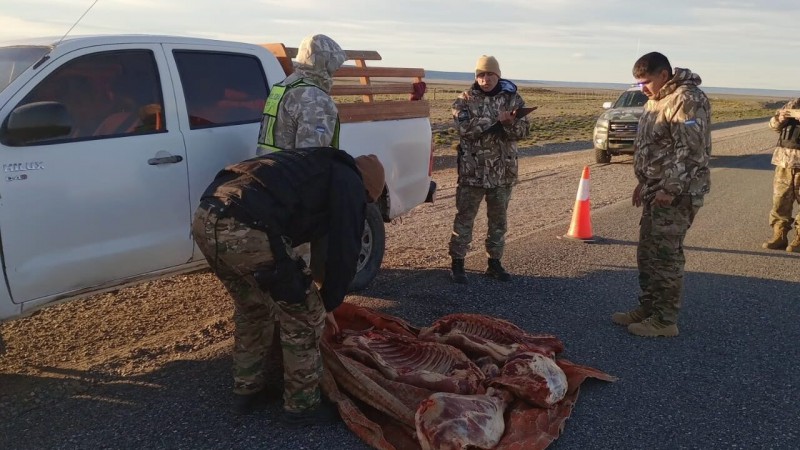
794,246
496,270
652,327
634,316
457,271
779,239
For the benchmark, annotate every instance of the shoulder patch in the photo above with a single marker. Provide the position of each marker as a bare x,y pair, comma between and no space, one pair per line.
463,115
320,129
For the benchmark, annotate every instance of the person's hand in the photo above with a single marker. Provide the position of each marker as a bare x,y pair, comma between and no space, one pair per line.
506,118
784,114
331,323
662,199
636,198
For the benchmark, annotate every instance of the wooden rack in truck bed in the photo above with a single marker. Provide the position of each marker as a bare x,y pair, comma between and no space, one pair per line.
360,80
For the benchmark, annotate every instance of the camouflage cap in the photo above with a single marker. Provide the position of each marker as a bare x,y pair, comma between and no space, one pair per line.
320,53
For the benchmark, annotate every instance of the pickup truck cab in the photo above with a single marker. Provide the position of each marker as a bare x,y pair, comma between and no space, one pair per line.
107,142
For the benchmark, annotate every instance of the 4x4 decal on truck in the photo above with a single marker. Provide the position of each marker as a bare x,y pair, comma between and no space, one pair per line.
20,177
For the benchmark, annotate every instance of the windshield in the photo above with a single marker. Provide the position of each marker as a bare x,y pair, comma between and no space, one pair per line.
14,61
631,99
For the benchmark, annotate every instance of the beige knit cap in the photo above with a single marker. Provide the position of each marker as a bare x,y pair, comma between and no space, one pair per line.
487,64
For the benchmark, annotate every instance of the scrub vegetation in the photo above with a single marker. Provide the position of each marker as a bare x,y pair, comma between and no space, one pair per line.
569,114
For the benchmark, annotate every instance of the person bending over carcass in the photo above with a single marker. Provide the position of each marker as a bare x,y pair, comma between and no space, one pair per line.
248,221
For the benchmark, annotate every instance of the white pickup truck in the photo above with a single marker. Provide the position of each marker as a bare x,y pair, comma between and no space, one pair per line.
107,142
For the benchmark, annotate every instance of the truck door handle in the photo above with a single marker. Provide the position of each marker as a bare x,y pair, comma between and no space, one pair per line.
165,160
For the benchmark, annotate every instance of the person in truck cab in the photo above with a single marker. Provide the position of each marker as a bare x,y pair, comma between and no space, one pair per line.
488,127
299,111
248,220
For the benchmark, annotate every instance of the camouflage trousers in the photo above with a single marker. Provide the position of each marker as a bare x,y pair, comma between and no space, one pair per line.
234,251
468,201
660,258
785,193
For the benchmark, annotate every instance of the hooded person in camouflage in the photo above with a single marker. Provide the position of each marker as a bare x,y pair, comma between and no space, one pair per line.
672,150
488,127
299,111
786,182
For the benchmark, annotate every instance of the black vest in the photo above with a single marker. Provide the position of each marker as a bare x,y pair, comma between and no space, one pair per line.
285,191
790,135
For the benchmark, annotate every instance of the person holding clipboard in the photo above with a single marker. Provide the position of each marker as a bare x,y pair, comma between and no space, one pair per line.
490,118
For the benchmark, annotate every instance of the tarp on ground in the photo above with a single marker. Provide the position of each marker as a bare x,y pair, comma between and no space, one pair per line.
381,411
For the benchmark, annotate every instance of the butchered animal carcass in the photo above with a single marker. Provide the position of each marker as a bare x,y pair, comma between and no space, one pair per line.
532,377
478,335
454,422
389,414
429,365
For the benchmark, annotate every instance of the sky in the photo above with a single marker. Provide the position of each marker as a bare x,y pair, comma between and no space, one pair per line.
735,43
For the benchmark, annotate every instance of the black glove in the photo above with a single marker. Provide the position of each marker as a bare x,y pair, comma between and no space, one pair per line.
286,281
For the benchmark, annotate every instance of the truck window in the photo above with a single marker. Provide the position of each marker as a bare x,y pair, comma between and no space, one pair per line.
630,99
16,59
108,94
221,88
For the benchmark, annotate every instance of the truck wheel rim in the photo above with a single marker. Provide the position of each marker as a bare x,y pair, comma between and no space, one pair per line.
366,248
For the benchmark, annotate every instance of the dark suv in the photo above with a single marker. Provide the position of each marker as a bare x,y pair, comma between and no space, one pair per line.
615,129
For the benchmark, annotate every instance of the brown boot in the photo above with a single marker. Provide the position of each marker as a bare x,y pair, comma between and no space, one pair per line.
794,246
629,317
652,327
779,239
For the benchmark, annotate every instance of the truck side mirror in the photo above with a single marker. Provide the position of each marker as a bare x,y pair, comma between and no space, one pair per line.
34,122
607,105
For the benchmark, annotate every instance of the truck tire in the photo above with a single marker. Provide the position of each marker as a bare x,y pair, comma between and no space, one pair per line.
373,244
602,156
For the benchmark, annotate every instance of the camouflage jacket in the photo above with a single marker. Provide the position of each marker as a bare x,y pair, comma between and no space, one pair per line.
307,116
488,151
782,156
673,144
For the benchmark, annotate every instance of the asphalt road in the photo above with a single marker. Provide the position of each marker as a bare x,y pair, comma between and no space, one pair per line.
730,380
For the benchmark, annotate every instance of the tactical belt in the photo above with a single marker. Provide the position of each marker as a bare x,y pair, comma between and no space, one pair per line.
215,206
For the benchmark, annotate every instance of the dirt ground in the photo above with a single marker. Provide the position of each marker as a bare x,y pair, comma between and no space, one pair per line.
138,329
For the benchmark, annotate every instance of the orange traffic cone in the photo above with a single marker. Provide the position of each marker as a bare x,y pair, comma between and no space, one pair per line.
581,227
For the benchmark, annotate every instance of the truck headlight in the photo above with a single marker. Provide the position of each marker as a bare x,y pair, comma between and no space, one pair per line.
601,126
600,137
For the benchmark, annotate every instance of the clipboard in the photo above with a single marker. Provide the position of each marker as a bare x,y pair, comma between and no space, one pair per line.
522,112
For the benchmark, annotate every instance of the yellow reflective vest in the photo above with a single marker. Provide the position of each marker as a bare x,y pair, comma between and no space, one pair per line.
266,136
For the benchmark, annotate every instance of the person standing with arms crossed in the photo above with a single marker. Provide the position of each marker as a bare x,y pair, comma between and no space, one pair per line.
672,151
786,182
489,125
